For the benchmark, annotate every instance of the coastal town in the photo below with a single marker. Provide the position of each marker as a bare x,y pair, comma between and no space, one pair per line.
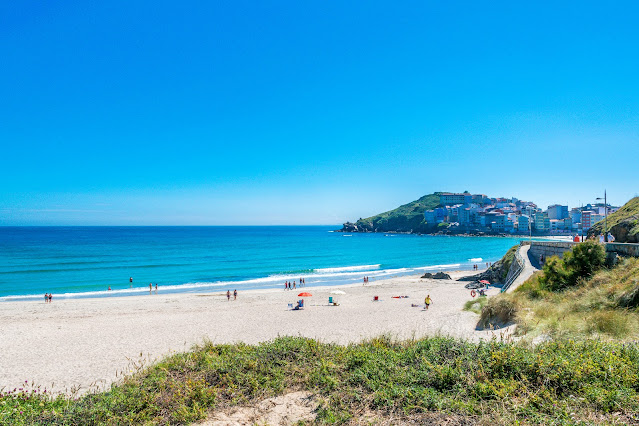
474,213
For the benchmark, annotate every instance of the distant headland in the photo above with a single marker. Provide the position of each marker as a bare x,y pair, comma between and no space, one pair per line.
449,213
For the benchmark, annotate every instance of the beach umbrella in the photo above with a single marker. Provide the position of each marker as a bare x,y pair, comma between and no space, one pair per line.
338,292
304,294
484,282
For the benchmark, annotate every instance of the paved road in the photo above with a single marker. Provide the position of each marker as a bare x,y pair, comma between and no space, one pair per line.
528,270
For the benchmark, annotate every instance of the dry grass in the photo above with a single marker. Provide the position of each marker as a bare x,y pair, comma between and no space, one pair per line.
602,307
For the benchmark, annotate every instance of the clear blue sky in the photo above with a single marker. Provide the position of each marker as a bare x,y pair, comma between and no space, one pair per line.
232,112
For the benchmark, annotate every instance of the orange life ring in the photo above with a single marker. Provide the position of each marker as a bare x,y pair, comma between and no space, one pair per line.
473,293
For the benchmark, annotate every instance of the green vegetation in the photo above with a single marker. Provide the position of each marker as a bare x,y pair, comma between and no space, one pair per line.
507,260
577,264
422,381
476,305
498,312
406,218
623,224
575,298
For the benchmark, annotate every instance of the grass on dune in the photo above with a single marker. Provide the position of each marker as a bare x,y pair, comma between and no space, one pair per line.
604,306
476,305
491,382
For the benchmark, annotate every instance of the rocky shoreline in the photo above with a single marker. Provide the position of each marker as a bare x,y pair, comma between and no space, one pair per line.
350,227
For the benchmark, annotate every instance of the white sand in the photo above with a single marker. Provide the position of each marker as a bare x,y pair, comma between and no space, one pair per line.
84,343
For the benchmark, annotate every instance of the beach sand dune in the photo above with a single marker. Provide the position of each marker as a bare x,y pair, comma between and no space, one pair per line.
87,344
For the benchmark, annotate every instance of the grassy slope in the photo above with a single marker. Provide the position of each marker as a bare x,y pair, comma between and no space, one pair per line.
627,217
600,307
430,380
507,260
404,218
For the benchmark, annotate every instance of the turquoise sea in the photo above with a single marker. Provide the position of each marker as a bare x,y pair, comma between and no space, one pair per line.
84,261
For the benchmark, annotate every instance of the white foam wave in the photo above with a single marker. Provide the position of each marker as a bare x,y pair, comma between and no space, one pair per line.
320,276
346,269
475,259
451,265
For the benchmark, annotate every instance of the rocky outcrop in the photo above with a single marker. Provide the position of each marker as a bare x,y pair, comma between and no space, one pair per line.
622,224
355,227
408,218
492,274
626,231
498,271
437,276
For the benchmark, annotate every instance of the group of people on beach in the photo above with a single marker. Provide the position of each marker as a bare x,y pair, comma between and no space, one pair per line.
365,280
48,298
291,286
228,295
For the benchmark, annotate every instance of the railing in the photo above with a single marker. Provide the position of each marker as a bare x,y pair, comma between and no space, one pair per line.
514,271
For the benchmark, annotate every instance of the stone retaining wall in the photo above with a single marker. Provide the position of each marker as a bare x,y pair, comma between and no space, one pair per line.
547,249
623,249
551,248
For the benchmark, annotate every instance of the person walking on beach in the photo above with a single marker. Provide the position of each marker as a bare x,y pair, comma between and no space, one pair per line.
156,288
228,295
427,302
294,287
150,288
235,294
50,297
46,298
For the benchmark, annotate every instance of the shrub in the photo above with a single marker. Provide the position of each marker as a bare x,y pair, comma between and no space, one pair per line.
585,259
476,305
579,263
556,277
497,312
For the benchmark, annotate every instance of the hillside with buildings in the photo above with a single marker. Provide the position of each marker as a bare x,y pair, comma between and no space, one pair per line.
466,213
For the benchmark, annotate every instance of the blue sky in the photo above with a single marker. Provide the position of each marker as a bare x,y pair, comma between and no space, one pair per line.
189,113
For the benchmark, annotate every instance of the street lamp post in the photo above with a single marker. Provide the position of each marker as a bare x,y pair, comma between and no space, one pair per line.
605,215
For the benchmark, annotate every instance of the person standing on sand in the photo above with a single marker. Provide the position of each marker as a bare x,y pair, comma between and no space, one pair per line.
427,302
46,298
156,288
228,295
294,286
235,294
50,297
150,288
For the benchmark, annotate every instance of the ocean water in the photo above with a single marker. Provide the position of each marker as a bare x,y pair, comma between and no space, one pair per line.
84,261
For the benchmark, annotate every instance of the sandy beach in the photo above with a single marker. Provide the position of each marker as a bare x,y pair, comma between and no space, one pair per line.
87,344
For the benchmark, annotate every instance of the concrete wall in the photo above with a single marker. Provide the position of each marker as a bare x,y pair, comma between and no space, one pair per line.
548,249
623,249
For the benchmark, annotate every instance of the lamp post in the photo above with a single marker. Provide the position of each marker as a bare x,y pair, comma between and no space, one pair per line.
605,215
582,222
